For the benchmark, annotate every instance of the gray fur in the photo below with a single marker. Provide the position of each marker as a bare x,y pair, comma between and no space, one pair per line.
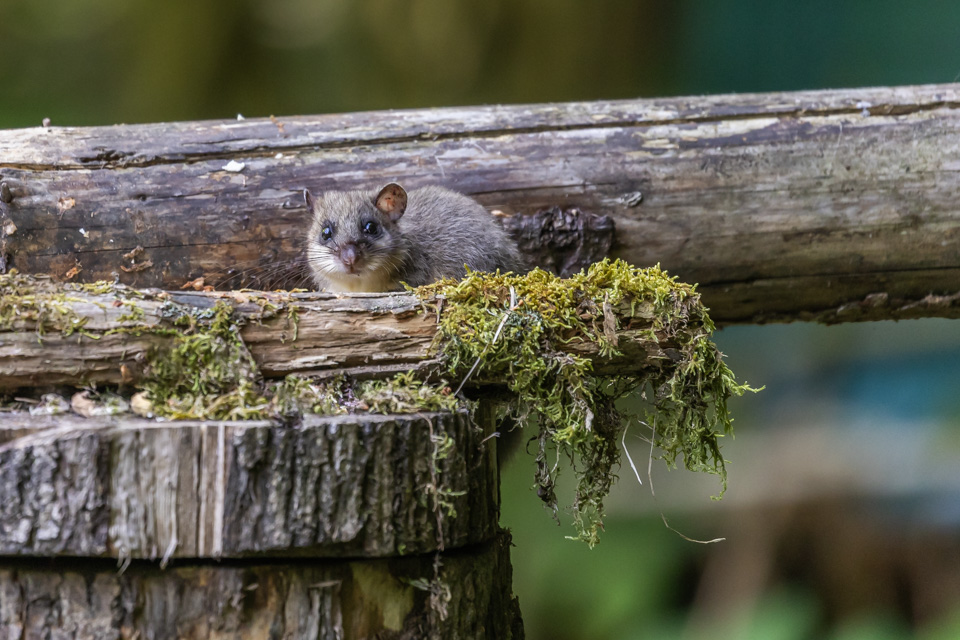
439,232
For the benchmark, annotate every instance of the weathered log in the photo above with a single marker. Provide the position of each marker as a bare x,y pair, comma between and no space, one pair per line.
360,334
782,206
343,486
81,599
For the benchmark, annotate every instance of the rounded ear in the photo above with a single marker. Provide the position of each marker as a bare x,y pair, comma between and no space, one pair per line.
309,199
391,201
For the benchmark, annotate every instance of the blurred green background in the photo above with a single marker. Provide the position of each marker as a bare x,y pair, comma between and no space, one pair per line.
843,515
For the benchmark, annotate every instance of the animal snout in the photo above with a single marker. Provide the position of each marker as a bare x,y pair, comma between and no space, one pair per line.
349,255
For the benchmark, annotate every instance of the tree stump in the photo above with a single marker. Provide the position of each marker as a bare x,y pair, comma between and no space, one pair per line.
325,529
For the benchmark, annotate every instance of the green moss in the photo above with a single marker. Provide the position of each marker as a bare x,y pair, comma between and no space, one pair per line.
100,287
295,396
208,373
404,393
134,313
517,328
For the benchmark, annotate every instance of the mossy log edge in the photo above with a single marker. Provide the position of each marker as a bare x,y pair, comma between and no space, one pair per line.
99,336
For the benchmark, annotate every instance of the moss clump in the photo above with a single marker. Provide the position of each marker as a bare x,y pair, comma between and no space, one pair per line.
404,393
295,396
207,373
525,330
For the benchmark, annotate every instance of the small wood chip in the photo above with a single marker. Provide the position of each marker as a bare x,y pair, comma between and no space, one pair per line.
141,405
196,284
129,374
72,273
65,204
133,254
141,266
83,404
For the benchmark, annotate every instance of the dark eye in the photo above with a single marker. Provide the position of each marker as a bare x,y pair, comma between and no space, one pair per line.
326,233
371,228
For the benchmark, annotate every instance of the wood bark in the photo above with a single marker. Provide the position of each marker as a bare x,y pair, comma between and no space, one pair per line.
344,486
335,600
368,335
830,205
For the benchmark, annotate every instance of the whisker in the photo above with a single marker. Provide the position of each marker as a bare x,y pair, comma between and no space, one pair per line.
255,274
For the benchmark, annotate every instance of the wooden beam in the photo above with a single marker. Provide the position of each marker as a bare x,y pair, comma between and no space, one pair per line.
829,205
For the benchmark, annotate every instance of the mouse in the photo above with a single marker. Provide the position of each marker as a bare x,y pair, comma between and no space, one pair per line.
378,240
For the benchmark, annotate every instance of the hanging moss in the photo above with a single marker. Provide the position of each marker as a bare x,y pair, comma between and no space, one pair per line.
514,327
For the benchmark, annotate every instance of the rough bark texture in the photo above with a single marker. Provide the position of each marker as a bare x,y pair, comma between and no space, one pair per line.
562,241
344,486
830,205
335,600
360,334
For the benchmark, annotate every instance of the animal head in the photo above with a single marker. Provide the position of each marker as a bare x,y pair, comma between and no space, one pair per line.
354,243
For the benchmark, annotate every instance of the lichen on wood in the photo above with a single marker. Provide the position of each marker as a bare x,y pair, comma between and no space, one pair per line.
510,328
19,299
